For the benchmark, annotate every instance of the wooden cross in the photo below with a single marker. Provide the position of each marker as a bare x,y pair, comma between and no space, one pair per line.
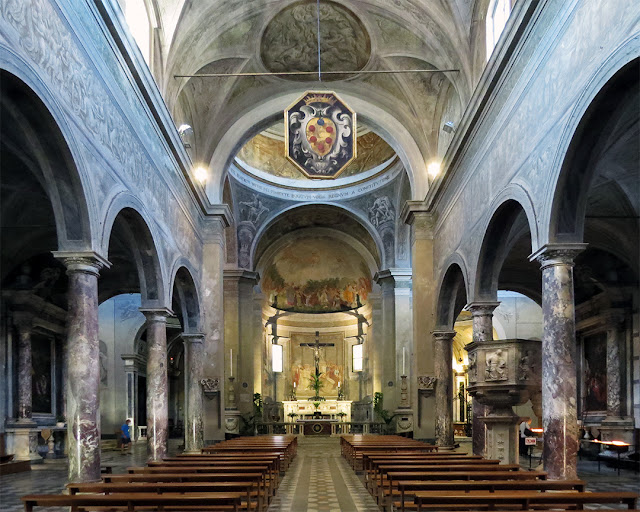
316,350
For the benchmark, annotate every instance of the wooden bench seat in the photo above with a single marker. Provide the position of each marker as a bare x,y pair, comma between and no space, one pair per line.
211,501
442,500
406,488
251,489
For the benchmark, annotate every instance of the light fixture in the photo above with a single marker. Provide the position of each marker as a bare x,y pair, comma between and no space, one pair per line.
201,174
276,358
184,128
449,127
433,169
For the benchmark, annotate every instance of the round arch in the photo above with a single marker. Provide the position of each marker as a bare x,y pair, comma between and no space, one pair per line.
270,109
185,294
507,222
563,215
452,293
378,256
127,214
33,112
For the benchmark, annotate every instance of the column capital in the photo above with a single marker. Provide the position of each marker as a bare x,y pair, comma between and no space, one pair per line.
443,335
557,254
193,337
397,275
156,314
84,262
613,317
214,224
421,219
240,274
23,320
221,212
481,308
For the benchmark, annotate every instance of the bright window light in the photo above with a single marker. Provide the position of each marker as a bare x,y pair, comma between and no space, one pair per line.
276,358
497,16
135,13
357,357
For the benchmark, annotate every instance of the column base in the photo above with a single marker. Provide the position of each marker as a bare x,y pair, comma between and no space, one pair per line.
23,442
502,436
232,421
404,420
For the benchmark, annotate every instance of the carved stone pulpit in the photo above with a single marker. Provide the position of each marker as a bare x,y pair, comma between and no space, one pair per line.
504,373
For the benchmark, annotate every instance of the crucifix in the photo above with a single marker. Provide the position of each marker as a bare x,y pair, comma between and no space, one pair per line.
316,350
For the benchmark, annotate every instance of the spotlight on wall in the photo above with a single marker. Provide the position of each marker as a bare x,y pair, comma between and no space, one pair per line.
201,174
433,169
449,127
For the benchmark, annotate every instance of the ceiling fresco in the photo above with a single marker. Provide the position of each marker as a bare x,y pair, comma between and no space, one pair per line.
290,43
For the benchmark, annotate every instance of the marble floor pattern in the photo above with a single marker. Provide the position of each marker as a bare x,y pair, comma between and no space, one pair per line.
319,480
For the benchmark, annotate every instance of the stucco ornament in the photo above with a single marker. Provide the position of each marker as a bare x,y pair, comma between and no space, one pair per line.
320,134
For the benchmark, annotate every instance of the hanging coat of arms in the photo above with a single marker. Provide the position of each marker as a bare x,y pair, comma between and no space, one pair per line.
320,133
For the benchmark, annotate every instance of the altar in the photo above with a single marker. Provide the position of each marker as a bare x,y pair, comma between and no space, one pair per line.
338,410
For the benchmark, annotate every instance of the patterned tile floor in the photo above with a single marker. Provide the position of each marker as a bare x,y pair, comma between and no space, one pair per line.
319,480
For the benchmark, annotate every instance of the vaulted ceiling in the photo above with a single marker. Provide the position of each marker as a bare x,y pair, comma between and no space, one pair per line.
233,36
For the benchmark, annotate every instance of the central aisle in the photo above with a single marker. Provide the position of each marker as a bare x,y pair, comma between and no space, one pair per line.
320,480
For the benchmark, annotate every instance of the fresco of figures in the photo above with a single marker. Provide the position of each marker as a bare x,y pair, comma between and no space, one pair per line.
322,276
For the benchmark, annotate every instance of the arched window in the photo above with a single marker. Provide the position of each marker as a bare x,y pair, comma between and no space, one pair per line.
137,16
497,16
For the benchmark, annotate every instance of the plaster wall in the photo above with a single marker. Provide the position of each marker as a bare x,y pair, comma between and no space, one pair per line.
119,321
68,56
517,147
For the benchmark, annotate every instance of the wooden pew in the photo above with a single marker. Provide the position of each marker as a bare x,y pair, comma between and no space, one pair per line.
407,488
273,464
442,500
250,488
211,501
383,470
269,483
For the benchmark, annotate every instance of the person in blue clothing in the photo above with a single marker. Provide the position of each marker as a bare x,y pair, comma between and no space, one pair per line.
125,436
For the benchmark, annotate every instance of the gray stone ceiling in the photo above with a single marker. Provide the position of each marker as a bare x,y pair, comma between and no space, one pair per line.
223,36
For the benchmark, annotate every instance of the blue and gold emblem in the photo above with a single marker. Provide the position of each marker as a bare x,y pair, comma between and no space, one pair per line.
320,132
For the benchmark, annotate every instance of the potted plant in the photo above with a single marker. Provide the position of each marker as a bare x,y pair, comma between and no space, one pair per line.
382,413
341,415
60,421
316,413
292,415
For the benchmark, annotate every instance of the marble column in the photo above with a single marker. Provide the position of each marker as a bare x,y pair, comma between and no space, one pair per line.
559,396
83,365
24,324
482,322
194,430
157,383
443,356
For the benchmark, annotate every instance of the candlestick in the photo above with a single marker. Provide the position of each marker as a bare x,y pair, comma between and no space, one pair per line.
231,362
403,373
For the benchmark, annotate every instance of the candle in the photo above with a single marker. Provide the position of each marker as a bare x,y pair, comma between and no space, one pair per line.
338,383
294,384
403,361
231,362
